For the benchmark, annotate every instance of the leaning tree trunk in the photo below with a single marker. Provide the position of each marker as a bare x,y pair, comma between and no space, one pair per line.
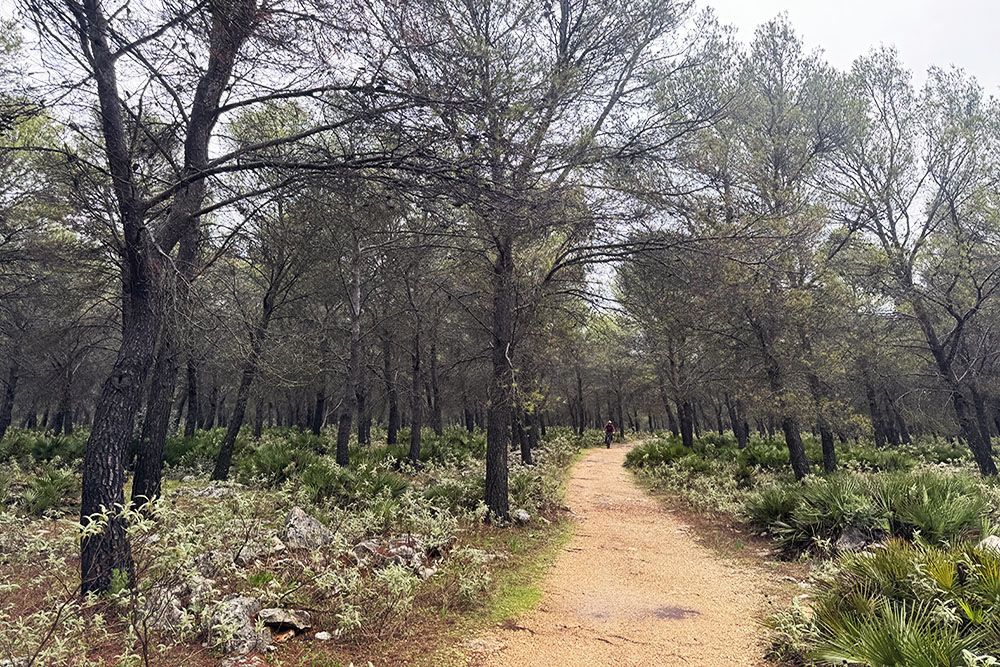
224,459
970,429
776,381
152,441
152,444
501,384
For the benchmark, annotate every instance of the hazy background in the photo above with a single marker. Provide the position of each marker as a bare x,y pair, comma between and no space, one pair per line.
925,32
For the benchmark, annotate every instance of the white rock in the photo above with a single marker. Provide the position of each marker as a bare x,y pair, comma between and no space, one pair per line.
323,636
255,551
304,532
232,629
521,516
294,619
990,543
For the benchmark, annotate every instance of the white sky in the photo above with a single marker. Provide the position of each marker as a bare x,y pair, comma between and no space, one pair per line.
925,32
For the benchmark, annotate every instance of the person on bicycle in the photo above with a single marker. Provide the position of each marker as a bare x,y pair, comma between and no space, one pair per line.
609,433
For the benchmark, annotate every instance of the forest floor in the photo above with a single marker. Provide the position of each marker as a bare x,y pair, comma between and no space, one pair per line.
637,584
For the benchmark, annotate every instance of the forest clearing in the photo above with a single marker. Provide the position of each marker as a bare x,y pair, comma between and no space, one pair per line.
494,332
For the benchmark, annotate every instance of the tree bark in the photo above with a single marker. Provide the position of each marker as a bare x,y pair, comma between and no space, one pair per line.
318,411
9,393
248,374
501,384
416,402
391,392
152,443
437,419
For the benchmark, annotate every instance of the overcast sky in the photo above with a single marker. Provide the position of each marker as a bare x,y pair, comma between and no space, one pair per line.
926,32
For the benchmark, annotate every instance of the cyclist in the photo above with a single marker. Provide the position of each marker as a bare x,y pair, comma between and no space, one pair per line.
609,433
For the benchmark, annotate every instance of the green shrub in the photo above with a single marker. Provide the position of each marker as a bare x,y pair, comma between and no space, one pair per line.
903,603
456,494
940,506
274,462
766,454
50,490
654,453
772,506
326,481
198,451
39,446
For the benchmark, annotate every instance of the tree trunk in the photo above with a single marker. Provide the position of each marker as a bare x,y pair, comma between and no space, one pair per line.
350,402
9,393
319,411
501,384
981,449
152,443
685,414
776,381
437,419
224,460
579,399
416,402
391,391
364,408
191,419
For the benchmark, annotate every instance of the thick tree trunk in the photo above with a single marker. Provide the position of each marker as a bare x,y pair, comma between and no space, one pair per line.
152,443
685,414
796,450
982,417
501,384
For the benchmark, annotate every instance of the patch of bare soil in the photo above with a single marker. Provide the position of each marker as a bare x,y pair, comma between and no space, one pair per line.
634,587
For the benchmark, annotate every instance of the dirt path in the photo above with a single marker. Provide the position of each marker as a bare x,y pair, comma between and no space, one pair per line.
632,587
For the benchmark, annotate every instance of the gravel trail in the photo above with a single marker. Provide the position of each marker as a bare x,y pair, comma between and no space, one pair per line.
631,587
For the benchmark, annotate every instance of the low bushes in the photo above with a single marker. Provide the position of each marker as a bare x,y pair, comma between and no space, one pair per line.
936,506
902,603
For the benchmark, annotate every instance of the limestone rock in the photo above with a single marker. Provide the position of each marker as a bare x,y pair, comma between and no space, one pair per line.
243,661
304,532
521,516
990,543
256,551
231,626
285,619
851,540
